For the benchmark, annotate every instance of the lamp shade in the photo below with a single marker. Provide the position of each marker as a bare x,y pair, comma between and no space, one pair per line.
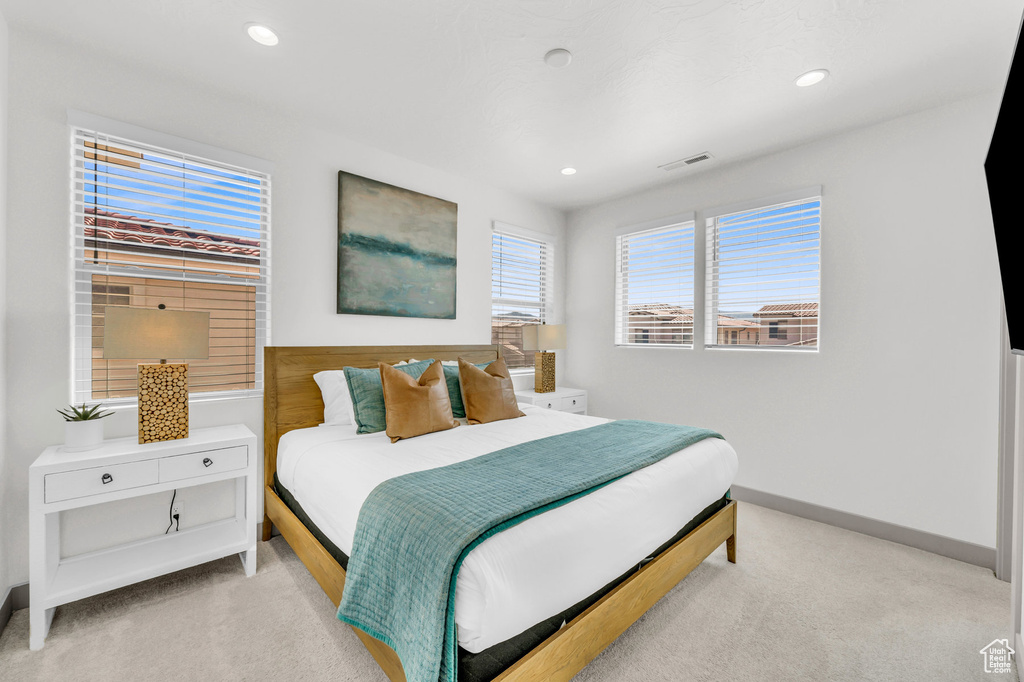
147,334
544,337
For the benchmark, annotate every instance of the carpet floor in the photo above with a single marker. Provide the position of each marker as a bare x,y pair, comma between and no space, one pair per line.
805,602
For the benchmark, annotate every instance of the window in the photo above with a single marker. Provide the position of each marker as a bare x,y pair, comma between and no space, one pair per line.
521,272
654,286
154,226
763,274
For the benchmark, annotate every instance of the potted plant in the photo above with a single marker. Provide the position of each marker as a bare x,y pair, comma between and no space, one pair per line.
83,429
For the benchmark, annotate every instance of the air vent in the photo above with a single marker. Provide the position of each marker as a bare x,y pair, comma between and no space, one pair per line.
697,158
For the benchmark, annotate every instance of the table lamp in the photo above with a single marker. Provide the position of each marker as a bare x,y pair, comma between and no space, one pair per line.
144,333
544,338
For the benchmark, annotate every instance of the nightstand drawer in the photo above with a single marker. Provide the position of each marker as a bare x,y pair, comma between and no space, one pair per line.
552,403
575,403
203,463
68,485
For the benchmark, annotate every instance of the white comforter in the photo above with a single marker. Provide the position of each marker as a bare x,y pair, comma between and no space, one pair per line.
523,575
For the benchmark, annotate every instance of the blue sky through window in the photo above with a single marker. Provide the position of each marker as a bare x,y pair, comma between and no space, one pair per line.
171,191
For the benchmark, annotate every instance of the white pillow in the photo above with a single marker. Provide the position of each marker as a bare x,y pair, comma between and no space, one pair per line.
337,400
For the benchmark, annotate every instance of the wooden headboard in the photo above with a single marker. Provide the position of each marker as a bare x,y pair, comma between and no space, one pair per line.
291,399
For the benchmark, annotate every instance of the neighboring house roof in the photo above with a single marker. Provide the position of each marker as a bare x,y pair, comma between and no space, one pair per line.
513,322
130,229
726,321
508,350
663,312
788,310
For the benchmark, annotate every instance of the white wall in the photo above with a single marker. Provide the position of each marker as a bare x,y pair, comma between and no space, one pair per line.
4,572
46,79
896,417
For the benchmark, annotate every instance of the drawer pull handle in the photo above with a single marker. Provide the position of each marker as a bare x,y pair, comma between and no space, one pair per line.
207,461
107,478
574,401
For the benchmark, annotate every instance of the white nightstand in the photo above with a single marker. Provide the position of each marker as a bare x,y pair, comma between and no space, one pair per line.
562,398
119,469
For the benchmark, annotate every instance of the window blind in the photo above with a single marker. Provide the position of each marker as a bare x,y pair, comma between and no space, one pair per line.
521,272
763,276
654,287
153,226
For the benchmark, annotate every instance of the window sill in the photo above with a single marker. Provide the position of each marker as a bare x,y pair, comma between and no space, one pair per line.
133,403
756,348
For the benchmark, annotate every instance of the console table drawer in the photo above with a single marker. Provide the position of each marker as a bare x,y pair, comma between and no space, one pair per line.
203,463
575,403
68,485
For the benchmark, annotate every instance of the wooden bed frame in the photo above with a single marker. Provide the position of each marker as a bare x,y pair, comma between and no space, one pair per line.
292,401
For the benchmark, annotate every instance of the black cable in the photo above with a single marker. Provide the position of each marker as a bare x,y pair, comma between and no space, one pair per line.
170,514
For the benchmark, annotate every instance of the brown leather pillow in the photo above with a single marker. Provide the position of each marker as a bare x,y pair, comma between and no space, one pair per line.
488,393
415,407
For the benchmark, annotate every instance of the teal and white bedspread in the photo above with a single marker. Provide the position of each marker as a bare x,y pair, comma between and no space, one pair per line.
415,530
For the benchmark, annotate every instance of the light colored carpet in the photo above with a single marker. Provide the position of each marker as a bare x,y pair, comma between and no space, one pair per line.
805,602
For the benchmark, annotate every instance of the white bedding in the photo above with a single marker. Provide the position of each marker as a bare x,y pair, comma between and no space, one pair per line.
523,575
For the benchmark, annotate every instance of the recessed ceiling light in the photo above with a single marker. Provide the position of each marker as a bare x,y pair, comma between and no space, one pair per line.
558,58
568,171
812,77
261,34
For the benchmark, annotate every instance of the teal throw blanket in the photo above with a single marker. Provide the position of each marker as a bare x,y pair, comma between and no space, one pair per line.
415,530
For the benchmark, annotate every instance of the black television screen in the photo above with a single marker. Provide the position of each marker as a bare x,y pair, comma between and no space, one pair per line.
1003,170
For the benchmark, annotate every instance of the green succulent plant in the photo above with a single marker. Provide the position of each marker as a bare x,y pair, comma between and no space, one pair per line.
83,413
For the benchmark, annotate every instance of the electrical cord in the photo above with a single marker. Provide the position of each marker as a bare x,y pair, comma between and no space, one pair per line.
172,516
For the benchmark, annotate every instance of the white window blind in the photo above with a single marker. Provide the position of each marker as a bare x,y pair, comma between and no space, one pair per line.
154,226
763,276
654,287
521,273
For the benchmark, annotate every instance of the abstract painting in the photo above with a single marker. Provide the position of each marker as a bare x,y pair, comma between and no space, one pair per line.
396,251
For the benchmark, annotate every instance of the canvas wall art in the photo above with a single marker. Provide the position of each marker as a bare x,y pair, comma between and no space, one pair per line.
396,251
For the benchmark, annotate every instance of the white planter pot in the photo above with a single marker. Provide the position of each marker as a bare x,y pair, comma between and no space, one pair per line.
84,435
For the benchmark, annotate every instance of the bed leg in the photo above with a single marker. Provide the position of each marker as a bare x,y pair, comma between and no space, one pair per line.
268,528
730,543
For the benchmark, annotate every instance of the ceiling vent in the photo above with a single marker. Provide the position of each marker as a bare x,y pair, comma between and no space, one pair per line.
697,158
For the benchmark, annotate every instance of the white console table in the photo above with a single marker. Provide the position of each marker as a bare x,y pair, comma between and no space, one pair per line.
118,469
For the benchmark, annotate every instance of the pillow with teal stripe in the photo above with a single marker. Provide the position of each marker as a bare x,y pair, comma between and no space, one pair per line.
451,377
367,393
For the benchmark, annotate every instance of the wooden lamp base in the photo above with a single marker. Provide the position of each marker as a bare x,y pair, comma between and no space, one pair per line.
544,372
163,402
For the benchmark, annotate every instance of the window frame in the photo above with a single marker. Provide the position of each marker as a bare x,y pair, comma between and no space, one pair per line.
711,311
621,314
78,122
547,308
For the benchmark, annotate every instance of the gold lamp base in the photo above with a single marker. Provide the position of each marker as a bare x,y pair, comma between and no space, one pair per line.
544,372
163,402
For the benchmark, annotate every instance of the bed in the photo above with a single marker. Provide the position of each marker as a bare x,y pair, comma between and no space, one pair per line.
292,403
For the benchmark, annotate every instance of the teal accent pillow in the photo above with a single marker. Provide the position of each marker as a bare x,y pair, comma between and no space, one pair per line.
451,377
367,393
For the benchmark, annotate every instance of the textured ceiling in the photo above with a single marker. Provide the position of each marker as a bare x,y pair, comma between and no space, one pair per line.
461,85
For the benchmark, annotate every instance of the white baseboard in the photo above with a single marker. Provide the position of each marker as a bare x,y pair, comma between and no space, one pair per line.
936,544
